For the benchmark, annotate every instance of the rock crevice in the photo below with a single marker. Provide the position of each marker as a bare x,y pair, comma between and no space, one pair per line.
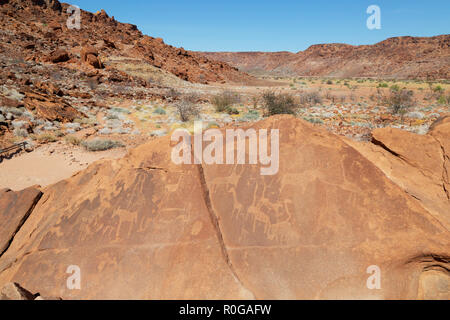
216,224
15,209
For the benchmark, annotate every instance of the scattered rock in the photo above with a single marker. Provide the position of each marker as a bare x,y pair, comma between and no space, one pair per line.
51,108
89,55
59,56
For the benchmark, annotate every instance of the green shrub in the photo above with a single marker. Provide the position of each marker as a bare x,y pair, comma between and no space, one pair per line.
438,89
282,103
383,85
313,120
120,110
159,111
442,100
252,115
101,144
395,88
232,110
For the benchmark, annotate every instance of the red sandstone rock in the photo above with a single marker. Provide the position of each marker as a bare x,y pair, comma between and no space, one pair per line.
144,228
13,291
15,207
51,108
59,56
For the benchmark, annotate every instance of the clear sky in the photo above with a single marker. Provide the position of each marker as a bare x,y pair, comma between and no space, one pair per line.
276,25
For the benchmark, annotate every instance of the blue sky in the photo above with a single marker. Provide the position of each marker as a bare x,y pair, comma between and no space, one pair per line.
291,25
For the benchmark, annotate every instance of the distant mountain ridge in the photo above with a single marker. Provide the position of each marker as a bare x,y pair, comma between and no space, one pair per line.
399,57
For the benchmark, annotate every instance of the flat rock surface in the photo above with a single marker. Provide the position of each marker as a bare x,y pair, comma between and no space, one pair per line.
15,208
144,228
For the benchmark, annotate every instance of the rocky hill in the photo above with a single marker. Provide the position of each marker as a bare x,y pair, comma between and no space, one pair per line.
36,30
145,228
401,57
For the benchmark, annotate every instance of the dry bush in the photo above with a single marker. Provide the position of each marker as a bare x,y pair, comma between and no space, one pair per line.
187,107
173,94
46,138
310,98
156,79
282,103
223,101
73,140
255,101
101,145
92,83
400,101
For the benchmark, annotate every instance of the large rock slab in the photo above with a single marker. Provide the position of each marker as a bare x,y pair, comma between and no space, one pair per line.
144,228
419,164
15,208
51,108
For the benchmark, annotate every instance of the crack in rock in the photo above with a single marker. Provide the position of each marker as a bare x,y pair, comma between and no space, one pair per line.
216,224
22,222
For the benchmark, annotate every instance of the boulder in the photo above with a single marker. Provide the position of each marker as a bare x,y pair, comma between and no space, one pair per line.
89,55
51,108
143,227
416,163
58,56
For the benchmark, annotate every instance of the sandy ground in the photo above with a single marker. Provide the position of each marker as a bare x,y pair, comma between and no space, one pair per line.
49,164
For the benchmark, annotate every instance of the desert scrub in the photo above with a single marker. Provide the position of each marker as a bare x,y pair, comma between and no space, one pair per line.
46,138
172,94
159,111
73,140
400,101
19,132
101,145
310,98
442,100
225,100
252,115
232,111
438,89
187,107
86,121
395,88
282,103
383,85
313,120
15,111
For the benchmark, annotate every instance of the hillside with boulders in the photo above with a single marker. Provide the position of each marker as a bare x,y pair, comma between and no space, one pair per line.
37,31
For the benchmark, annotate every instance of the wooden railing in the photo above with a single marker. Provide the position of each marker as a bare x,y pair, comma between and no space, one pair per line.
21,145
